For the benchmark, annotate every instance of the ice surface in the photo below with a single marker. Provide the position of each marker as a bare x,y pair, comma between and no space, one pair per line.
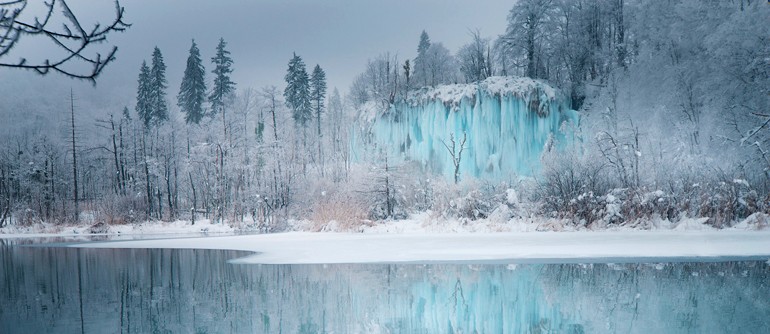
509,122
304,248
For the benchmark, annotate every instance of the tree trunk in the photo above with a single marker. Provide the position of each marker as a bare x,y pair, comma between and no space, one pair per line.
74,158
147,175
195,198
318,122
118,188
122,159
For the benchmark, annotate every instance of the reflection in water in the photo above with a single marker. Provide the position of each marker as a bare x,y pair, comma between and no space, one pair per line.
65,290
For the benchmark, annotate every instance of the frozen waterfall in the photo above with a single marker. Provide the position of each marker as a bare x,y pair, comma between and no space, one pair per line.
508,121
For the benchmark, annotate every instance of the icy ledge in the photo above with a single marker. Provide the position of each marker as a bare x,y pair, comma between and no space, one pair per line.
319,248
518,87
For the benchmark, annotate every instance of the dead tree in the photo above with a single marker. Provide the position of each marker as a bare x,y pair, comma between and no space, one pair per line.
74,159
455,153
73,39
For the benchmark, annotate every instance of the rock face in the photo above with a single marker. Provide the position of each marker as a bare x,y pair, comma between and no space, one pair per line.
508,122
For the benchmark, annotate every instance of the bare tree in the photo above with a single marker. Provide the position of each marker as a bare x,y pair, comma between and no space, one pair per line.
525,36
73,39
456,153
74,158
474,58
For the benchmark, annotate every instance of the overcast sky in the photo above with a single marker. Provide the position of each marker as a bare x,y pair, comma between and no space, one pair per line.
340,35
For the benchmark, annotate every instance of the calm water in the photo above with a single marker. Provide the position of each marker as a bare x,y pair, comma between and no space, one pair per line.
66,290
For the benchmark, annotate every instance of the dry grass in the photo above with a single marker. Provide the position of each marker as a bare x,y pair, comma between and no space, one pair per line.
340,212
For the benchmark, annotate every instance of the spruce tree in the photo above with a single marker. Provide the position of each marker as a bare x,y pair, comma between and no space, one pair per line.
318,93
143,108
158,85
192,92
126,113
297,92
420,63
223,87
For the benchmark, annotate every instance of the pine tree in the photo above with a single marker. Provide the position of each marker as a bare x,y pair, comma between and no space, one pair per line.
158,85
192,92
297,92
420,63
318,93
223,87
143,108
424,44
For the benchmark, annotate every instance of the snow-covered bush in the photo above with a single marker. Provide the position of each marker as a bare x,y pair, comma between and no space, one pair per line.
569,185
467,200
577,188
728,200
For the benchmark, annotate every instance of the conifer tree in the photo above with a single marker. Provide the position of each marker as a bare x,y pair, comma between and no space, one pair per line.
158,85
192,92
143,108
420,63
223,86
297,92
318,93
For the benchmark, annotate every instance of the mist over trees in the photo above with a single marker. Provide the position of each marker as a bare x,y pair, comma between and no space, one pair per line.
674,99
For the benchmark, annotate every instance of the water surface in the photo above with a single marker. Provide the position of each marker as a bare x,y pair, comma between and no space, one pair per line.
69,290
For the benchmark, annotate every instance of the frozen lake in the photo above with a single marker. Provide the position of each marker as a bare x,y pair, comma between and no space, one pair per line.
137,290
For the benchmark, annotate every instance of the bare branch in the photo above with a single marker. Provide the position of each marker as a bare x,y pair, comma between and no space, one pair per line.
12,30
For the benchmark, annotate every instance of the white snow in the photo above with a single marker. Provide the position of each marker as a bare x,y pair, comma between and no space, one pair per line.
454,94
145,228
741,182
424,238
317,248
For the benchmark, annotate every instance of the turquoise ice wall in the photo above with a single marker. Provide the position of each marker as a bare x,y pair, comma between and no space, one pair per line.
508,122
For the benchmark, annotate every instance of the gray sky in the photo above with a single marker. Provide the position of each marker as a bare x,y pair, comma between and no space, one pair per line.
340,35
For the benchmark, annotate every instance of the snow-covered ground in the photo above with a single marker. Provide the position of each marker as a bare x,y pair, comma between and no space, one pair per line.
425,239
421,239
146,228
308,247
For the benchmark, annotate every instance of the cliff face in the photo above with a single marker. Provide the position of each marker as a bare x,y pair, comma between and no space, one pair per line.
508,123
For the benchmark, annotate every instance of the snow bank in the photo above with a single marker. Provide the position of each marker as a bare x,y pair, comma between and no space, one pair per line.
501,86
318,248
145,228
423,238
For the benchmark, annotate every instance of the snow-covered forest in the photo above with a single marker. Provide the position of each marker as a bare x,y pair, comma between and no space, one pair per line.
672,123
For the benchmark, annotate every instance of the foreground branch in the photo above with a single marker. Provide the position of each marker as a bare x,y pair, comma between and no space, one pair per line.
74,40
